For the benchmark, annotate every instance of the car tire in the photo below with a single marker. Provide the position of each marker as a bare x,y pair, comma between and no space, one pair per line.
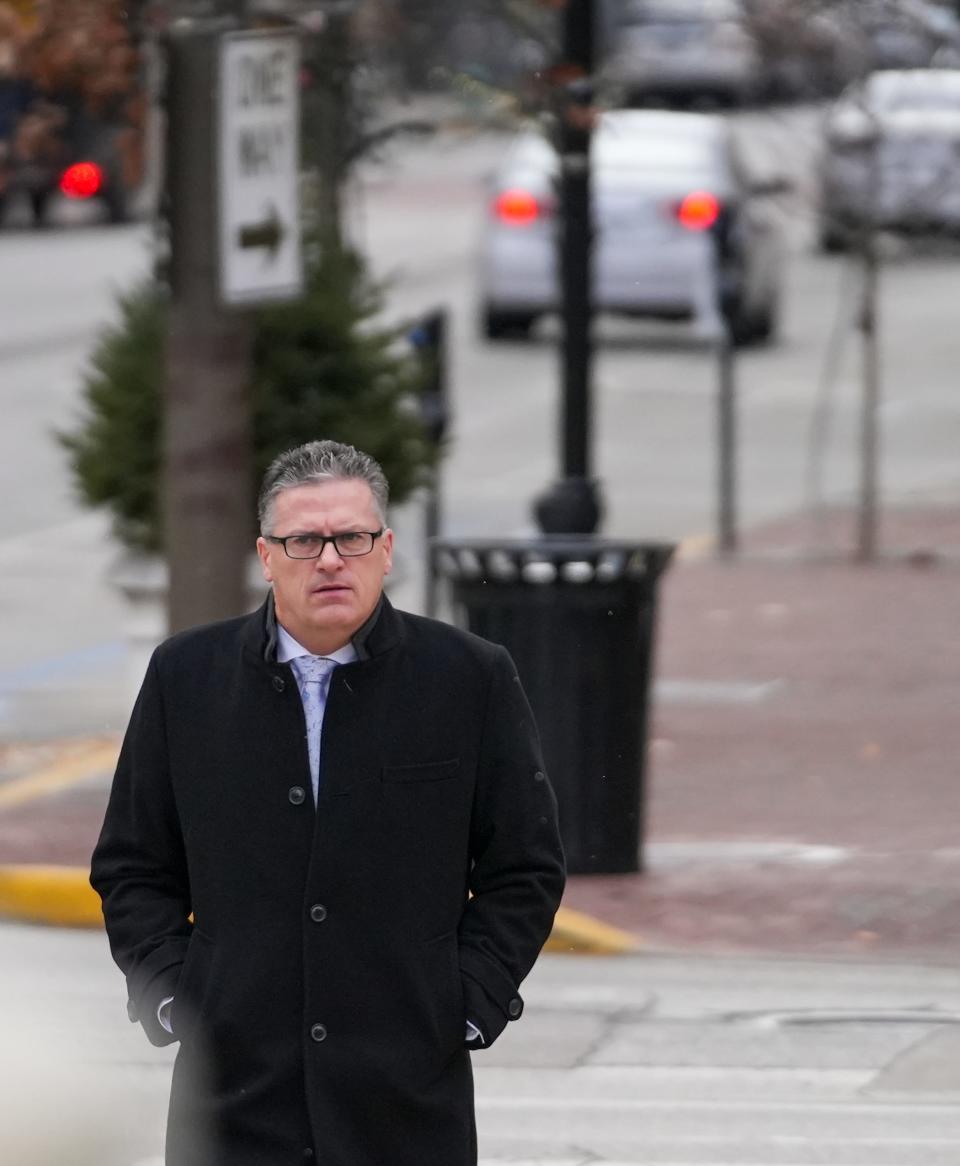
832,238
752,328
739,323
501,325
116,198
117,209
764,325
39,200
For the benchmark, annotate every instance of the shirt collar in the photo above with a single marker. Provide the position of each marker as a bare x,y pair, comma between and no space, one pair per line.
382,631
289,649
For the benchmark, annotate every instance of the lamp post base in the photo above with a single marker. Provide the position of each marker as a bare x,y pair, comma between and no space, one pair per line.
570,506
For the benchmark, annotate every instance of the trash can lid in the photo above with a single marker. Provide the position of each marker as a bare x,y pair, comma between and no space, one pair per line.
572,559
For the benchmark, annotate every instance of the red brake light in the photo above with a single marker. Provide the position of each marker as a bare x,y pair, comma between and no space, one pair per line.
81,180
698,211
517,208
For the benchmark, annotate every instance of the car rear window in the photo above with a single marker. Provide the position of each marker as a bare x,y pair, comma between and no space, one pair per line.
672,12
634,141
899,94
613,151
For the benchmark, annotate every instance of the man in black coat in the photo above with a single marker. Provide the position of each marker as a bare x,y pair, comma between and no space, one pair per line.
327,878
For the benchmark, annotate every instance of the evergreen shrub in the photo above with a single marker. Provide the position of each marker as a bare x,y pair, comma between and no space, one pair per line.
323,367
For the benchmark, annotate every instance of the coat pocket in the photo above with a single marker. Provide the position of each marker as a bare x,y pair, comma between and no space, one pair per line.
429,771
193,987
441,975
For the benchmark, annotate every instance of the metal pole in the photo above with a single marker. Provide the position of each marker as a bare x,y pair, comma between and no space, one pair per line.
572,505
870,416
207,439
431,340
432,521
870,359
726,445
576,303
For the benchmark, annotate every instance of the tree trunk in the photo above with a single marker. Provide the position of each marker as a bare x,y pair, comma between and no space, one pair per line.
330,121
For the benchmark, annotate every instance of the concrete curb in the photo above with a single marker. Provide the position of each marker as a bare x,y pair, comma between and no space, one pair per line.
61,896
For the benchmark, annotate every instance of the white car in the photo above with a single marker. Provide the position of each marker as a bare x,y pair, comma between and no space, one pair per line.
682,232
682,50
892,156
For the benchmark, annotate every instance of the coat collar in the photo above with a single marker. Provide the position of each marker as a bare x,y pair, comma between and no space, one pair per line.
382,631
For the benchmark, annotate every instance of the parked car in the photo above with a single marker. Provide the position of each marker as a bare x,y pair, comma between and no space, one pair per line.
816,50
892,156
85,165
680,227
682,50
808,52
75,105
905,35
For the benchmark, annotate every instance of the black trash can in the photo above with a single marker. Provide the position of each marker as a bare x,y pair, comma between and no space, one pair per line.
578,617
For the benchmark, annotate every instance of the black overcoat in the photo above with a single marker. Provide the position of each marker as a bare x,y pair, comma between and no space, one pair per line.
324,961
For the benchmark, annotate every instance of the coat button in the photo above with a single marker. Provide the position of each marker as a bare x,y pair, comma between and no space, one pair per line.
539,776
318,1032
318,912
297,795
279,683
515,1007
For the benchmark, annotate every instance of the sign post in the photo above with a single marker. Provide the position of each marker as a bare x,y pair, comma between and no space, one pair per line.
232,189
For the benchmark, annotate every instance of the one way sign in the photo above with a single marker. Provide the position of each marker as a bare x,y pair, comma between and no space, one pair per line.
259,136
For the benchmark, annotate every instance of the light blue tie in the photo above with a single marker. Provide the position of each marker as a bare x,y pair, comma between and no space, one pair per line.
313,677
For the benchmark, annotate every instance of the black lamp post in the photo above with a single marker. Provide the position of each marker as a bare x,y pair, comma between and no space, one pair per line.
577,613
572,505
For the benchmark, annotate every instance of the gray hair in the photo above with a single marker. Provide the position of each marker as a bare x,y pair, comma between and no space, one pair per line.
318,462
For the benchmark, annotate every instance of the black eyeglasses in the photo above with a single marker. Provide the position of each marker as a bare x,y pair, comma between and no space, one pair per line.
348,544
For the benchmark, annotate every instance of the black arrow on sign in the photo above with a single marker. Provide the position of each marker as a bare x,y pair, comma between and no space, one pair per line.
268,233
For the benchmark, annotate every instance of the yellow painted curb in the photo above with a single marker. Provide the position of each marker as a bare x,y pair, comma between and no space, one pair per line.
58,895
578,934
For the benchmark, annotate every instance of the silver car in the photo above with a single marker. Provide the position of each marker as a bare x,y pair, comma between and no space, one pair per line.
892,156
682,50
682,230
905,35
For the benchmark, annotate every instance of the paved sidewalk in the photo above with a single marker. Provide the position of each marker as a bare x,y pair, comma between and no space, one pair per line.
803,792
652,1059
802,788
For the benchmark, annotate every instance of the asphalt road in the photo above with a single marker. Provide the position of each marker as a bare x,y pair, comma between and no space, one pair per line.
661,1060
647,1059
417,216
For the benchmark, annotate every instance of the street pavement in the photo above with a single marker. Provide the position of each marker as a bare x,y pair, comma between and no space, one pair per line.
417,216
654,1059
802,786
793,999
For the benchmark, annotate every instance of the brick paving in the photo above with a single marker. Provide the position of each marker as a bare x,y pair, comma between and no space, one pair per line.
855,747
